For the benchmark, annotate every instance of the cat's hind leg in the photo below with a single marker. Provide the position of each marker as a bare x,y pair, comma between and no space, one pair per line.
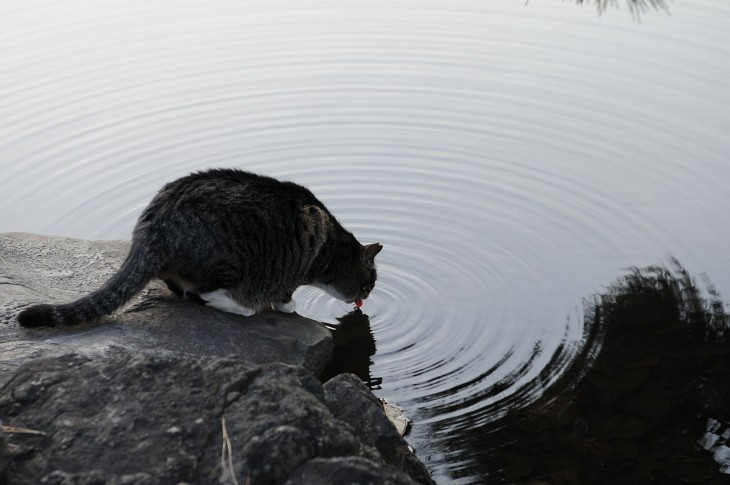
287,305
222,300
174,287
182,288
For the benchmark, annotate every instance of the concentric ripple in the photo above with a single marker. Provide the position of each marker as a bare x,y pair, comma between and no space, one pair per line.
511,159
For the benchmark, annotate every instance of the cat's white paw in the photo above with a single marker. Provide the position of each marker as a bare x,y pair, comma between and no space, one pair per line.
288,307
221,300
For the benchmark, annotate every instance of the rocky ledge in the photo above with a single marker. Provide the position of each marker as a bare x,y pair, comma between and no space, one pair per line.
139,419
45,269
168,391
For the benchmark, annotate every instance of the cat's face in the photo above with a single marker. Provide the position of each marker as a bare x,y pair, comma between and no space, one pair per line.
354,275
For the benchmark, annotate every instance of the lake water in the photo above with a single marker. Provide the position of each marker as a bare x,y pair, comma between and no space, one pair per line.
513,159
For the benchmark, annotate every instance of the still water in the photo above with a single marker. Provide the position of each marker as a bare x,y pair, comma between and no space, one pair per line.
511,158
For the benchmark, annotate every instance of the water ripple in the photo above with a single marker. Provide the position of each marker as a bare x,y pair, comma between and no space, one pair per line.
511,160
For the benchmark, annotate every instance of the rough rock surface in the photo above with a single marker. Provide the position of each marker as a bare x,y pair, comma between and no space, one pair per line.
144,397
349,470
3,457
45,269
141,419
352,402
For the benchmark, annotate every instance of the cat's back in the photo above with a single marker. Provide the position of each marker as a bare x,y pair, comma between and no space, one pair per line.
231,189
228,181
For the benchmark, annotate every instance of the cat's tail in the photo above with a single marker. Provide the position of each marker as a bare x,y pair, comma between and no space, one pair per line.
136,271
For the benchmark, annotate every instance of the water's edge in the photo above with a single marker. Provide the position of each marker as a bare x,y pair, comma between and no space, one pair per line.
153,338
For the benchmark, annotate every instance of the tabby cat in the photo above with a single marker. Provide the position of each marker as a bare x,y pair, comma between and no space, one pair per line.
234,240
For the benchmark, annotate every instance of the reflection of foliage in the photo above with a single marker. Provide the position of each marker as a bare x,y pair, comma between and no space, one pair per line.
636,7
659,370
629,405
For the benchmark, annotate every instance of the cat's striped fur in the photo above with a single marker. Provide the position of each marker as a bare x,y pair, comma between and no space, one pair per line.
238,241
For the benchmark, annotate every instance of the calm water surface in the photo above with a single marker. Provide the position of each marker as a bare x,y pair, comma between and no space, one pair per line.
512,159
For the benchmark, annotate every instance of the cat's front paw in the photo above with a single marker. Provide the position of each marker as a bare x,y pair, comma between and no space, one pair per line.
287,307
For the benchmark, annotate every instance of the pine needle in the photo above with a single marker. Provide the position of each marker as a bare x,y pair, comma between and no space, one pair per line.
18,430
227,452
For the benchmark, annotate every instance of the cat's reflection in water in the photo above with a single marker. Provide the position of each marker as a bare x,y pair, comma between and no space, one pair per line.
354,345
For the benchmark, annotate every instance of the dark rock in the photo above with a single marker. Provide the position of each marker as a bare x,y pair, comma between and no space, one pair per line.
143,420
113,415
280,423
3,459
97,477
336,471
352,402
45,269
143,397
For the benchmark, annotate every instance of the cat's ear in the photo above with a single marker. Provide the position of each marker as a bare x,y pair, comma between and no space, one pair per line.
369,252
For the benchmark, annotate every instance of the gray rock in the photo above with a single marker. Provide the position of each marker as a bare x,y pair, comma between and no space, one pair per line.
143,397
46,269
3,458
352,402
280,423
144,420
93,412
336,471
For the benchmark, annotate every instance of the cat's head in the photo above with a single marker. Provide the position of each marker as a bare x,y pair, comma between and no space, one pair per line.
352,274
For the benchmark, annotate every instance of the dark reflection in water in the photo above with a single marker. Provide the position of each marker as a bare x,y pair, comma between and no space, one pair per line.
354,345
654,368
645,397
